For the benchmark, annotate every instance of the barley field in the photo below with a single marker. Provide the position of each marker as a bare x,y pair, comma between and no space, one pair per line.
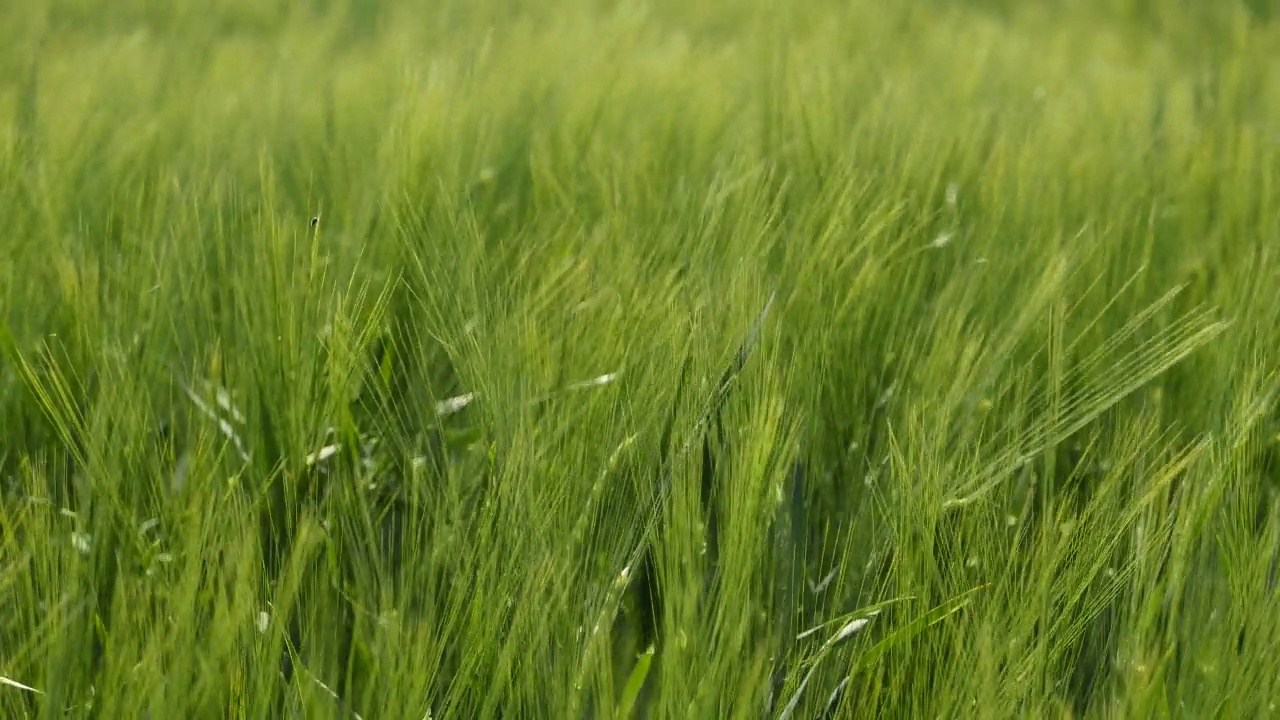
621,359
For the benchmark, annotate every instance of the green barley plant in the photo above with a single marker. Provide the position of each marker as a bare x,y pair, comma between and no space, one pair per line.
392,359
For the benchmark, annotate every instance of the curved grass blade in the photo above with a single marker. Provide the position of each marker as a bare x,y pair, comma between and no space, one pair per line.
635,683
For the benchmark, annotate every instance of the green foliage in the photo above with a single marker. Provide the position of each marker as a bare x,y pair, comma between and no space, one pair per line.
639,359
